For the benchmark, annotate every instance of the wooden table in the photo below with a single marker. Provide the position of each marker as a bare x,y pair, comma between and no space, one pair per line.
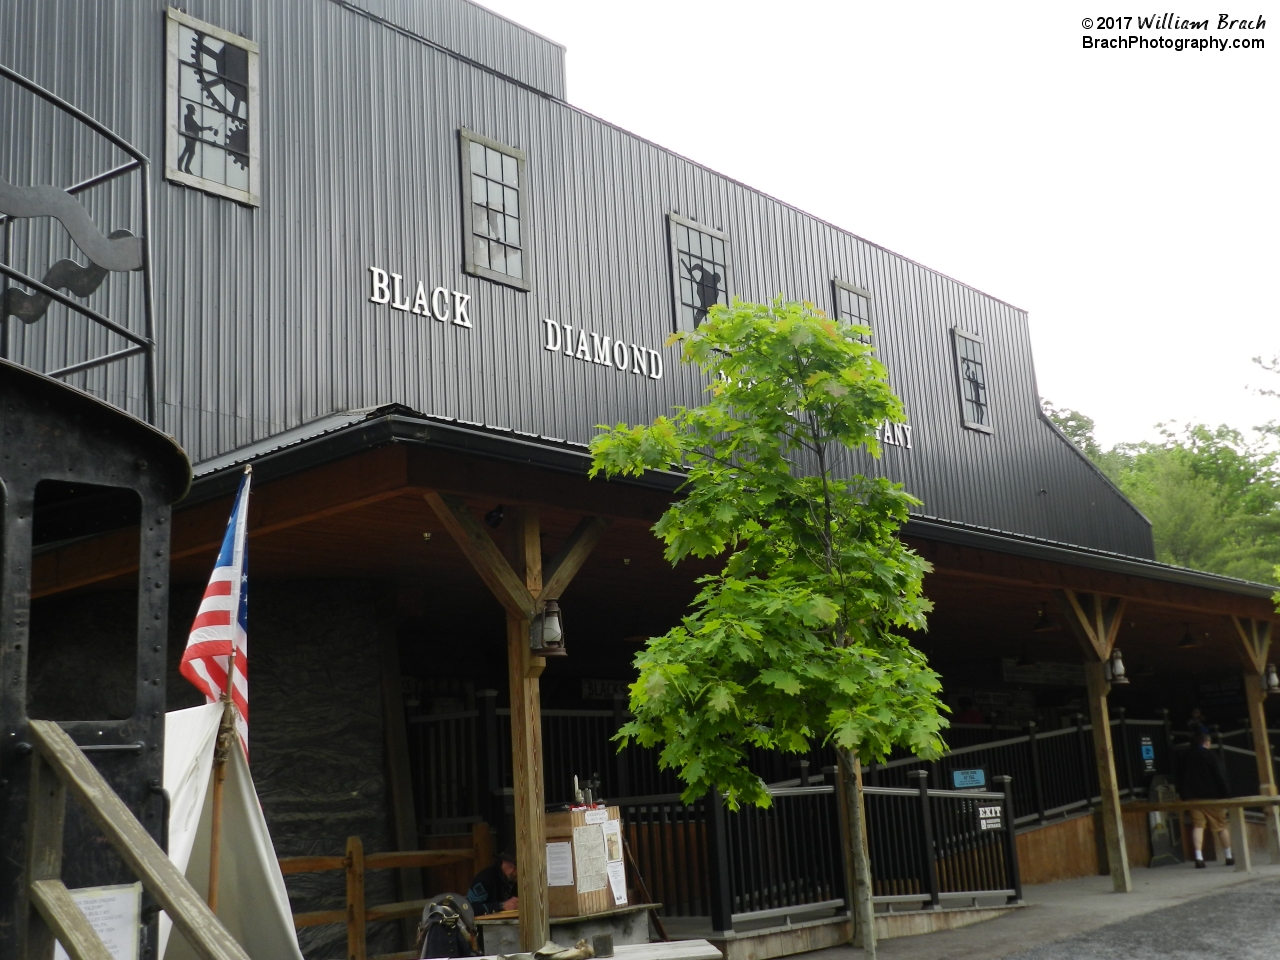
1239,836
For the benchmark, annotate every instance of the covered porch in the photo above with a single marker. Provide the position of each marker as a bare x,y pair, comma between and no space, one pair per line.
395,696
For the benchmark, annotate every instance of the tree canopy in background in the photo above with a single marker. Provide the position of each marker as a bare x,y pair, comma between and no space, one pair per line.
1212,494
798,639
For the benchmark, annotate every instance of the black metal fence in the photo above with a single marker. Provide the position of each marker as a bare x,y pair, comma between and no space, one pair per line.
928,845
1054,772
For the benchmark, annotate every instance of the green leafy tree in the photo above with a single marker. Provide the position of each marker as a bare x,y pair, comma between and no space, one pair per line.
798,639
1212,494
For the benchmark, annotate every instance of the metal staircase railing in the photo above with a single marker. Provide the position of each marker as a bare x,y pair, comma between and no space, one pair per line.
27,202
59,768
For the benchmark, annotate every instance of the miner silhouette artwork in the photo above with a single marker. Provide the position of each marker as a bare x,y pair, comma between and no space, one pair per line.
191,128
222,71
706,286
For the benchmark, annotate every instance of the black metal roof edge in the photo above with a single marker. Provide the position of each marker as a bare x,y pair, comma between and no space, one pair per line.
389,425
394,424
1019,545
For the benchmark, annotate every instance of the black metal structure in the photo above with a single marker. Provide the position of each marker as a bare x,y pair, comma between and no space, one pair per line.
71,465
121,251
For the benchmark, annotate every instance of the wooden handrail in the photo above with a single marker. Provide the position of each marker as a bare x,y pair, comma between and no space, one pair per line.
161,878
66,921
394,860
1154,806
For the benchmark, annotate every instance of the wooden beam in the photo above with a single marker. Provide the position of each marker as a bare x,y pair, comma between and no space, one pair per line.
399,775
1108,783
1094,619
67,922
479,548
46,817
326,491
572,555
1255,647
357,944
971,563
1255,642
523,670
192,918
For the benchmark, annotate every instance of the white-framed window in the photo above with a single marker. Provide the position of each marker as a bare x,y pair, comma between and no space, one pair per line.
971,372
699,266
853,306
211,105
496,224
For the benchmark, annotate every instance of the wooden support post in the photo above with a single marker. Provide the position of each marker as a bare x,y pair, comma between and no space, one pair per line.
1108,783
1255,646
519,588
523,671
1095,621
481,845
46,806
355,899
399,777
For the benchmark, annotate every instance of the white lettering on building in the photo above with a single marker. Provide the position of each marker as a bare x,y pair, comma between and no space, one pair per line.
445,305
895,434
604,351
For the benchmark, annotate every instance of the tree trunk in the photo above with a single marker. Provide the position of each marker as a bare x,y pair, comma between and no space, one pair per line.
864,922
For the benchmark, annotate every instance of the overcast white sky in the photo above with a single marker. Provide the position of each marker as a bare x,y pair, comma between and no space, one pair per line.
1126,198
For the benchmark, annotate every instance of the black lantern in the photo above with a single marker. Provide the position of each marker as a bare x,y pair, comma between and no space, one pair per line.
1115,669
546,633
1187,641
1271,682
1044,622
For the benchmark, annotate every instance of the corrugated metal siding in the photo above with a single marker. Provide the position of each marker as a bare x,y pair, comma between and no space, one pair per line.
265,322
480,35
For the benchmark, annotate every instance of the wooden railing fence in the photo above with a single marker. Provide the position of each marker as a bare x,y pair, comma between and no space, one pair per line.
355,863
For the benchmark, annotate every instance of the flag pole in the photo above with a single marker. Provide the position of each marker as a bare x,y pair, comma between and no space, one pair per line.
222,750
226,737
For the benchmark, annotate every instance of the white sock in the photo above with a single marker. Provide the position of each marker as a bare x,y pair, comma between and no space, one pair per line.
1226,852
1199,855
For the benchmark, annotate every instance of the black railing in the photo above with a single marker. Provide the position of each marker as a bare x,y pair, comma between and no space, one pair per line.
58,351
931,845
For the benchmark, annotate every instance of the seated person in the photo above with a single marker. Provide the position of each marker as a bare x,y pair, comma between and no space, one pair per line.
494,887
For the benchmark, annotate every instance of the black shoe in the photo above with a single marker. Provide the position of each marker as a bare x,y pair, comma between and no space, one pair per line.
1199,864
1230,861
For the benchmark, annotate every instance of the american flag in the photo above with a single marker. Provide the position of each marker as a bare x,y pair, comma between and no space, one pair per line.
214,632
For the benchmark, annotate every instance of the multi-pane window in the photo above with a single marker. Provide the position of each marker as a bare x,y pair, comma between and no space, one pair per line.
213,105
496,236
853,306
971,370
698,264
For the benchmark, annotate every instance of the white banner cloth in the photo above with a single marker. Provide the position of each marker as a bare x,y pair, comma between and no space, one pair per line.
252,902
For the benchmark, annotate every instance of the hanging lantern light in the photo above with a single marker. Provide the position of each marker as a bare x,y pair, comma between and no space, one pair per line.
1272,679
1044,622
1187,641
546,633
1116,664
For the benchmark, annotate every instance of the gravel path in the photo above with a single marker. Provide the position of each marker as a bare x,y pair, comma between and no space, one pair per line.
1240,924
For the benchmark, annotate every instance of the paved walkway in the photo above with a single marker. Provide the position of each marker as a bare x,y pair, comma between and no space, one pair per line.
1173,913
